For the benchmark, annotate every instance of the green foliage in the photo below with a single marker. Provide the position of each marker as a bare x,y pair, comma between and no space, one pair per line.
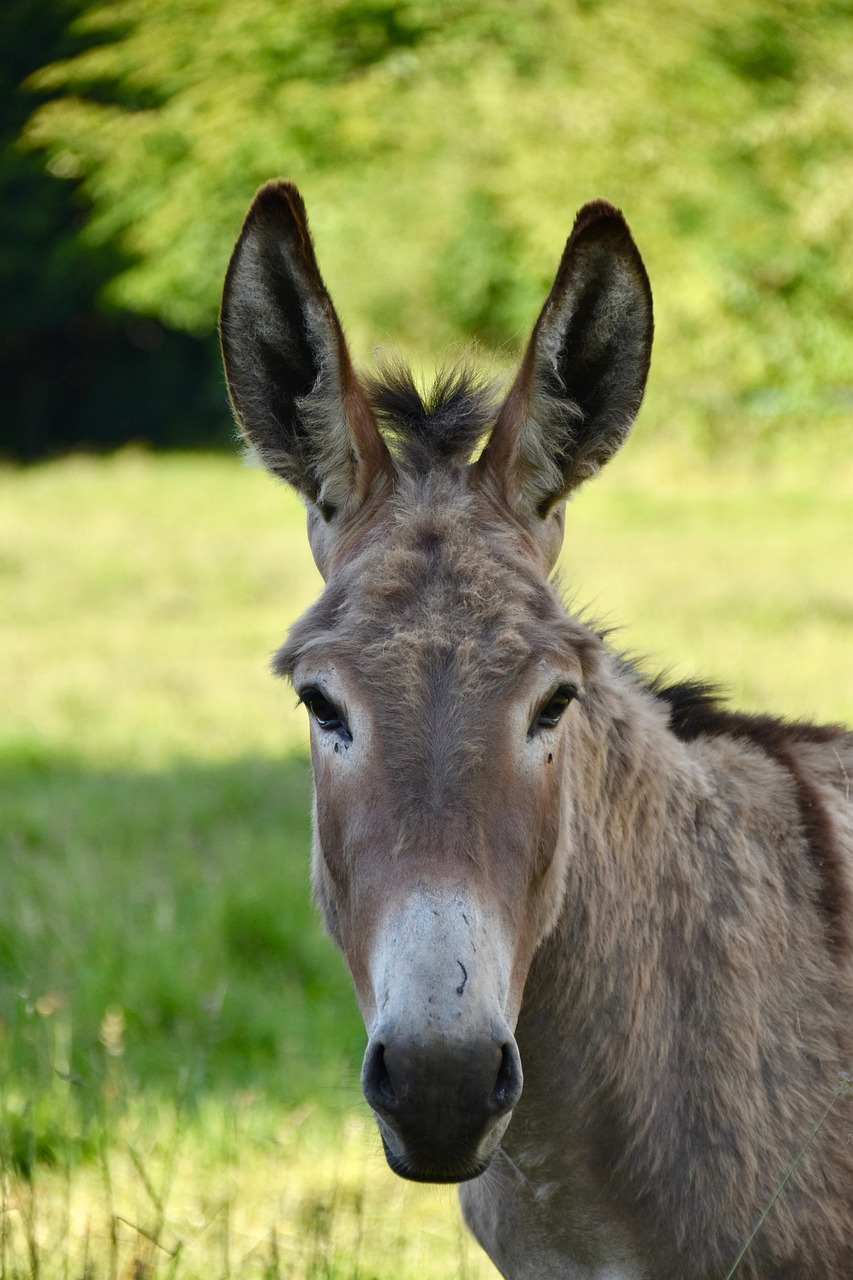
73,370
444,147
478,286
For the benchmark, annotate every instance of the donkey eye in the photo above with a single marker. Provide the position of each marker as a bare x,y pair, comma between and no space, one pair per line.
325,712
549,716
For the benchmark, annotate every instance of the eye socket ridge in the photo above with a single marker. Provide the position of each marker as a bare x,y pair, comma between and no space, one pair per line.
324,712
551,712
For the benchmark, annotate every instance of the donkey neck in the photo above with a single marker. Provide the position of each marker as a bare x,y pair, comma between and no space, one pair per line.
670,977
679,855
641,810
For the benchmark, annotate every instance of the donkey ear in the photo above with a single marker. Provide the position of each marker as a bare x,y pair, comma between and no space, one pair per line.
292,386
582,377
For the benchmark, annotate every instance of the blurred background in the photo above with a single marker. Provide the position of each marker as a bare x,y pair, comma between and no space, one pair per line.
179,1045
443,147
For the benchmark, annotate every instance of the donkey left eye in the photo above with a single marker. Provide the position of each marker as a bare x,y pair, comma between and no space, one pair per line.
325,712
549,716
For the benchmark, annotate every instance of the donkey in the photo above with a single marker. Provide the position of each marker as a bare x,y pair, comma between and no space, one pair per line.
528,852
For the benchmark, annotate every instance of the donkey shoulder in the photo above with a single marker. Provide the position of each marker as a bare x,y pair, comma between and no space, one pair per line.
819,761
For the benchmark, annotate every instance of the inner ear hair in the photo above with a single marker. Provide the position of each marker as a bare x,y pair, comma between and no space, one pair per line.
294,392
582,378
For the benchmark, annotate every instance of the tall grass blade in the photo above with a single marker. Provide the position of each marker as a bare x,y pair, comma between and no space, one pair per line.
844,1084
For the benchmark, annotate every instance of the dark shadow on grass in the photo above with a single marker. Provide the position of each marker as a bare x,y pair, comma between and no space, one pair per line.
157,928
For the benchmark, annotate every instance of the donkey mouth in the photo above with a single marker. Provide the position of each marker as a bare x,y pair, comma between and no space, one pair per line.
457,1160
442,1108
435,1169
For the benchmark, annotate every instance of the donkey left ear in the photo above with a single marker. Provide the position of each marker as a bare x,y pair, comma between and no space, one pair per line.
294,391
584,372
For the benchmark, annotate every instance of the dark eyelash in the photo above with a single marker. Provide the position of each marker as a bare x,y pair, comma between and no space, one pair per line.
324,712
551,712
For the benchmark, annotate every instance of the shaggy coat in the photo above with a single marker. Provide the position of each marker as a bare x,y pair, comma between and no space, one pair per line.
600,928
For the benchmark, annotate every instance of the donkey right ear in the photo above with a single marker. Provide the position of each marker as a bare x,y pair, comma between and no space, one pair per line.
292,385
582,377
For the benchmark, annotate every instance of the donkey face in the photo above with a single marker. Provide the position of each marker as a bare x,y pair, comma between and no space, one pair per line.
438,666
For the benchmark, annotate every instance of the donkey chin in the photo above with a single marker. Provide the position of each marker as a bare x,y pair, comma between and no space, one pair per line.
461,1161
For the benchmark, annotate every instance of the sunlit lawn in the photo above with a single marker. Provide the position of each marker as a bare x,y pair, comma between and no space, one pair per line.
241,1189
179,1047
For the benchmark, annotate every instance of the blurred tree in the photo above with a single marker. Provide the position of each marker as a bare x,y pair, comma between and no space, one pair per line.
443,146
75,372
478,286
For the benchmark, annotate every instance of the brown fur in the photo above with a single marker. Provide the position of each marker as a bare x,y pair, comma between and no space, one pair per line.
700,978
676,879
696,712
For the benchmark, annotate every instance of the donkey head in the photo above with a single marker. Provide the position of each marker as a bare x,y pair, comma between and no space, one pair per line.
438,667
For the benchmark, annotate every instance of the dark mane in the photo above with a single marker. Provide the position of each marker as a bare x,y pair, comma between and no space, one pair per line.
697,709
447,422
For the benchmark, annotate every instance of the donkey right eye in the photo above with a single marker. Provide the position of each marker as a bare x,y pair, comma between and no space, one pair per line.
549,715
325,713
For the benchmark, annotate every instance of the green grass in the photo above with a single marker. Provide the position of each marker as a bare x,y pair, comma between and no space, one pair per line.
742,576
244,1189
179,1045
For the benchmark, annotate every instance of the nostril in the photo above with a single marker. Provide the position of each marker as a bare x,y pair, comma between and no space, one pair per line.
507,1088
375,1080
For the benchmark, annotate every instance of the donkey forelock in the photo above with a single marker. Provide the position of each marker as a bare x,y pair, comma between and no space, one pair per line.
444,423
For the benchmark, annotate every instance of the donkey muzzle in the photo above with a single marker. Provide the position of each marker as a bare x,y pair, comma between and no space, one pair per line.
441,1111
442,1071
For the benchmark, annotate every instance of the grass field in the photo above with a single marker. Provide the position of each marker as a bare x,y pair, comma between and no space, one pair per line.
179,1047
